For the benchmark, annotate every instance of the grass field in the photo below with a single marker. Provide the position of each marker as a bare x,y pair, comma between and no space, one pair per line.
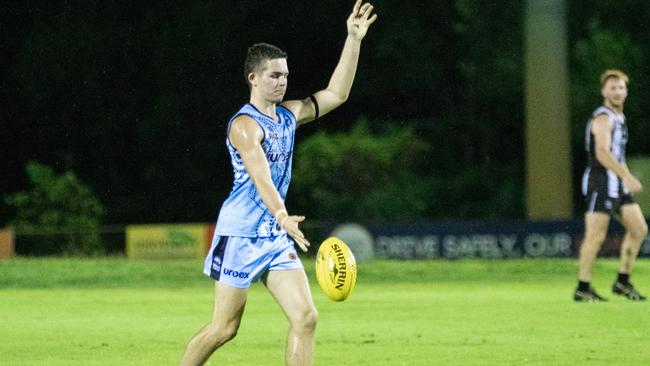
511,312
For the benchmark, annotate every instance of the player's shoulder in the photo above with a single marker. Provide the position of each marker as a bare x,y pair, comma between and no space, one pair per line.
245,132
300,109
243,121
292,106
602,122
602,118
246,112
244,127
603,112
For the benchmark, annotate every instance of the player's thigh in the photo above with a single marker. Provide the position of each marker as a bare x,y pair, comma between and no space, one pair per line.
633,220
290,288
596,224
229,304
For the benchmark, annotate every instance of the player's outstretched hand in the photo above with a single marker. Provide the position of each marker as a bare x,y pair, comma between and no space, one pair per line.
360,19
290,225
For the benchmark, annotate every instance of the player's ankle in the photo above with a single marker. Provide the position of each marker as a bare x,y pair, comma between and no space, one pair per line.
583,285
623,278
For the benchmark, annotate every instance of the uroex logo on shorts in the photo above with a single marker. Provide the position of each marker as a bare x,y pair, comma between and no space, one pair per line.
230,272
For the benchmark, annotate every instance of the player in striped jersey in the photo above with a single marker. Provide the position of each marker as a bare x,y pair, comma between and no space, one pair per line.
255,236
608,187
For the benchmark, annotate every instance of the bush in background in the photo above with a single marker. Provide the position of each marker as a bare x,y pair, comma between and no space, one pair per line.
361,176
59,212
395,175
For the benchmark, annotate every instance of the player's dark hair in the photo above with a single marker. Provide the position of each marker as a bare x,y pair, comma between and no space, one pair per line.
256,56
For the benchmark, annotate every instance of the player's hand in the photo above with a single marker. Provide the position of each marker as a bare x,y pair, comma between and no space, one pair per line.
360,19
632,184
290,225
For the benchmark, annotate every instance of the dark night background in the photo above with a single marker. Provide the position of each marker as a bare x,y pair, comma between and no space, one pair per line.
134,96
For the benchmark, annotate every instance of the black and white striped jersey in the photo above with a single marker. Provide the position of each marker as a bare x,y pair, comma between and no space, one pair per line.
611,183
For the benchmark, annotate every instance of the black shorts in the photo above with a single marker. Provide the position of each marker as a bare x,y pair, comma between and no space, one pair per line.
600,202
604,192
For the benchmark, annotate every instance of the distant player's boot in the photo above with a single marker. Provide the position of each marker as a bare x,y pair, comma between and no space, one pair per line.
627,290
589,295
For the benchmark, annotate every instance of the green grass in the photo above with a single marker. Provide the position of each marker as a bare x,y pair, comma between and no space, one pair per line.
512,312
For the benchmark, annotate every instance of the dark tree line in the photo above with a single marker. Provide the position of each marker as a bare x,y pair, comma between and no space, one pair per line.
134,96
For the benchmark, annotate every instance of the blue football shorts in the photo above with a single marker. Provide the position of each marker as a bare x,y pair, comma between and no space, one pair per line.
239,261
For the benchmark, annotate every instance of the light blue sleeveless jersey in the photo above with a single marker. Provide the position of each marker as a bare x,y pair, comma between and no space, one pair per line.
243,213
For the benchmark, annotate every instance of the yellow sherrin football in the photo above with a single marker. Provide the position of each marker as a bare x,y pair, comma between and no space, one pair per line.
336,269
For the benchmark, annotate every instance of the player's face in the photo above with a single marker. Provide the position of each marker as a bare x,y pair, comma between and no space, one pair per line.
272,81
615,91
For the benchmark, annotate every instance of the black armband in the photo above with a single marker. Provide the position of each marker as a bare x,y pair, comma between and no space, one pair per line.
313,100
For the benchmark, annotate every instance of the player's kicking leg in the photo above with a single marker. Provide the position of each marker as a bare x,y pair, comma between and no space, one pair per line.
636,231
229,303
290,289
596,224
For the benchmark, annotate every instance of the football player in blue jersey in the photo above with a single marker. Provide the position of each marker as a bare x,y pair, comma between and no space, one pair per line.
255,235
608,187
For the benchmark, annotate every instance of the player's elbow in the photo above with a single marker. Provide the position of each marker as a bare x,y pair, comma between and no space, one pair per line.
343,97
337,96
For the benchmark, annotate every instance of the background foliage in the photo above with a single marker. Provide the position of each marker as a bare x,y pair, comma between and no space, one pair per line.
363,176
57,213
134,97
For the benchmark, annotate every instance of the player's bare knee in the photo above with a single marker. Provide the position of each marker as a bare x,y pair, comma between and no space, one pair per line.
310,320
230,331
307,320
639,232
219,335
313,318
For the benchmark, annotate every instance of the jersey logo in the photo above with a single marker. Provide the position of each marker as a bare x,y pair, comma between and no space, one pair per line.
237,274
216,264
279,157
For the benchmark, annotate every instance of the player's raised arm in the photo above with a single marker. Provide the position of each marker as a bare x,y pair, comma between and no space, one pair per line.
338,89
